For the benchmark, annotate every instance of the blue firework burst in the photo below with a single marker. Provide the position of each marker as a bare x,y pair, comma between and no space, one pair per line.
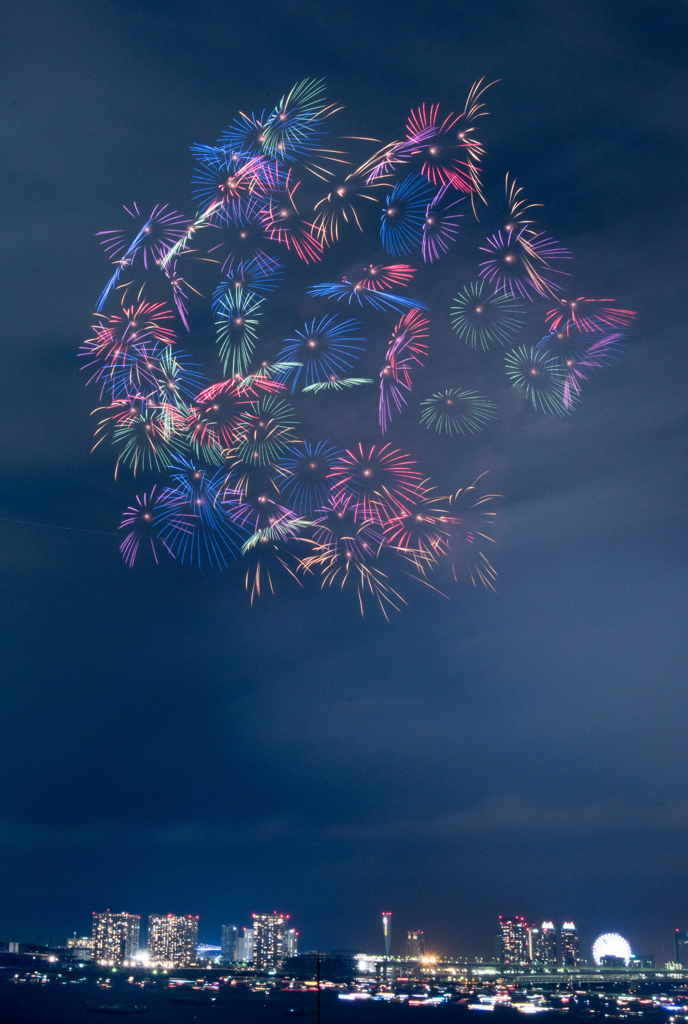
306,469
404,215
323,350
197,527
355,292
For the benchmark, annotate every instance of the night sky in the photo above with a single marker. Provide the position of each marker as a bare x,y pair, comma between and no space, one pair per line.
167,748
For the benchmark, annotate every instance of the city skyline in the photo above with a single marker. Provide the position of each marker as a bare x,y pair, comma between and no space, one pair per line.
517,942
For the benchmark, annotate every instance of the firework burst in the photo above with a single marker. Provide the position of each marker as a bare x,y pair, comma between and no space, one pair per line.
261,276
307,468
266,430
443,155
237,316
223,187
541,377
483,318
341,206
519,263
344,553
455,411
147,434
470,537
586,316
324,349
404,215
214,418
200,530
144,521
282,223
421,529
577,354
375,482
337,384
405,351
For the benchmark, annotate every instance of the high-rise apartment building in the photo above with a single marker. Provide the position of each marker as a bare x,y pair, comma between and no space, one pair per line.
513,942
115,937
570,950
415,945
548,944
230,936
681,947
542,944
269,940
172,940
387,930
291,942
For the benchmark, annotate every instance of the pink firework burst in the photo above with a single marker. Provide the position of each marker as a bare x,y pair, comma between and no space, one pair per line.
375,482
444,153
282,223
587,315
422,528
383,279
143,522
215,420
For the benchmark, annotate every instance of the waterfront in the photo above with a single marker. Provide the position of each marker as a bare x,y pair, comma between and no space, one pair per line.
35,998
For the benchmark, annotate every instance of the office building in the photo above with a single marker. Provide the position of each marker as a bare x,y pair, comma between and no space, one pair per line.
269,940
291,942
681,947
172,940
387,930
244,947
513,942
643,961
115,938
570,951
415,945
81,947
230,936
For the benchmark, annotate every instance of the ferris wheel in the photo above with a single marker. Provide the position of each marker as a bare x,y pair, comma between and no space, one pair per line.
611,944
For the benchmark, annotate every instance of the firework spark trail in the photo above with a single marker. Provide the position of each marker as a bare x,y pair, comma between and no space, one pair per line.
441,225
161,230
355,291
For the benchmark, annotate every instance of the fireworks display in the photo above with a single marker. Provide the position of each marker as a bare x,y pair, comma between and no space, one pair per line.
269,404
